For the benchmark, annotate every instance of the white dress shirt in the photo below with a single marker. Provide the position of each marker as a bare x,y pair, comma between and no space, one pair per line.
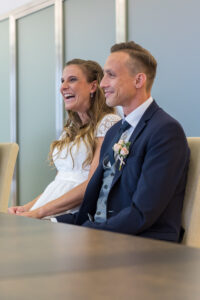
134,117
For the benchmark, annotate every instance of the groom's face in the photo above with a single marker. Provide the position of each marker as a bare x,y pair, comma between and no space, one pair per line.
118,83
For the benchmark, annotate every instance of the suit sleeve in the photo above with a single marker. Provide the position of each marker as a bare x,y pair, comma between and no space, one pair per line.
67,218
164,166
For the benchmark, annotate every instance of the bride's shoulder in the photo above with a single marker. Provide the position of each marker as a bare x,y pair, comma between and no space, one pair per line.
106,122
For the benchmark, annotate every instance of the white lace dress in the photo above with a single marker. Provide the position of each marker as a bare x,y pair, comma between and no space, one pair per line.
70,173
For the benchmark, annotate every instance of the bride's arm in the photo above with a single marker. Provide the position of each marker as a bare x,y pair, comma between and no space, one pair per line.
70,199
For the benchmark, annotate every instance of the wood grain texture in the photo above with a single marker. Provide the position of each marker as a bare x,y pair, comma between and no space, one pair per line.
48,261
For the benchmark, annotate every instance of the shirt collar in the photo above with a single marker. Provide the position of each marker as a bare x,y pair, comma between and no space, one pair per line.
134,117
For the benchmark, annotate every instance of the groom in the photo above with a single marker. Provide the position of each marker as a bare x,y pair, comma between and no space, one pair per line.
138,187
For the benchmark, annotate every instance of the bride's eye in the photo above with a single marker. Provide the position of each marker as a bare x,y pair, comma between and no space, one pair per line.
73,79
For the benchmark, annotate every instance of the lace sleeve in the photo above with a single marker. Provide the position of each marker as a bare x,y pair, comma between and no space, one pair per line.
105,124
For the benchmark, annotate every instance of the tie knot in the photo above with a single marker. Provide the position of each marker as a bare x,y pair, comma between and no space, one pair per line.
124,126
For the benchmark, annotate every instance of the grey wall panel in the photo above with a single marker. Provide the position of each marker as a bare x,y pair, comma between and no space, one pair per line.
89,29
170,30
4,83
36,97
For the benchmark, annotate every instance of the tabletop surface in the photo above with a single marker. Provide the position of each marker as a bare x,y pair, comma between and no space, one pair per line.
47,260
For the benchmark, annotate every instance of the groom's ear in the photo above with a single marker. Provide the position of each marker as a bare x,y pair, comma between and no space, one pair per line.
140,80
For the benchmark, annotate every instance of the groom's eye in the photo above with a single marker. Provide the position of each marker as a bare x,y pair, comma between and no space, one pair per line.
111,74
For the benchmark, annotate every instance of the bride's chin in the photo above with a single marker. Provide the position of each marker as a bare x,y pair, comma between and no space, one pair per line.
69,105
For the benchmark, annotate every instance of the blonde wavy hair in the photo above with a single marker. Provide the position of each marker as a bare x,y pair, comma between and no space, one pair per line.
74,130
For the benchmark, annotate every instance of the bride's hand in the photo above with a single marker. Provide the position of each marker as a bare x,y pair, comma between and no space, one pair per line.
16,209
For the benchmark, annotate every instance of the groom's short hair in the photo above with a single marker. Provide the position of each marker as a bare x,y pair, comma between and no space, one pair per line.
141,60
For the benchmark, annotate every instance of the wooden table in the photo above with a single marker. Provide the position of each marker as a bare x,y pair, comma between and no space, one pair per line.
43,260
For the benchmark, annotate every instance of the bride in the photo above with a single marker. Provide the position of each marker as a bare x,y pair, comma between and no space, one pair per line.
76,154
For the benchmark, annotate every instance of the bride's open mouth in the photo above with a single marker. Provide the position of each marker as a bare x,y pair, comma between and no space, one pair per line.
68,97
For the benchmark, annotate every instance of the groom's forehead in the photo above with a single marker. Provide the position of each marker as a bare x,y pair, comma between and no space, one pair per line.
116,61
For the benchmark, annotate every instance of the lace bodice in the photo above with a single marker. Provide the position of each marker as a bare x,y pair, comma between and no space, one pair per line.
105,124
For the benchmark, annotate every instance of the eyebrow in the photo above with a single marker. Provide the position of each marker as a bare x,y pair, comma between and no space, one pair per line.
70,76
108,71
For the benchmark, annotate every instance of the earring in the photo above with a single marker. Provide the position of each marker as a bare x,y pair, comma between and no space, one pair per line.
91,95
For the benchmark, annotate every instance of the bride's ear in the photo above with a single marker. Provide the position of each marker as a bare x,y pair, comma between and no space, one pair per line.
93,86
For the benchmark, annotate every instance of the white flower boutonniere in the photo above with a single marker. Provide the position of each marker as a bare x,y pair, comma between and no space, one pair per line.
121,150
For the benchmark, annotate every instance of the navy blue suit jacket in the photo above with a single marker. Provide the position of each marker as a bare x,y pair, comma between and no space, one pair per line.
146,195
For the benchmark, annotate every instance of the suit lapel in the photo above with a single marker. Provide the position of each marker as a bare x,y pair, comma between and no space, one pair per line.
139,128
92,193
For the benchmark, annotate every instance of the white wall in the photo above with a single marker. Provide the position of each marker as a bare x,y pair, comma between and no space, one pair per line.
170,30
7,5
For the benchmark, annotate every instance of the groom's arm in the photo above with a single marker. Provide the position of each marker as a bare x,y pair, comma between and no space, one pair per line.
67,218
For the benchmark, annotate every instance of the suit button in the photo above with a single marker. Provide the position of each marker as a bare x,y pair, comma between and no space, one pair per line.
98,213
105,186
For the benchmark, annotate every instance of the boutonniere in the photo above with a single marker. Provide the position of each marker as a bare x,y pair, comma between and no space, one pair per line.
121,150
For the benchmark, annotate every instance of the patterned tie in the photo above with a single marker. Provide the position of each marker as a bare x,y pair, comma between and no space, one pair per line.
123,128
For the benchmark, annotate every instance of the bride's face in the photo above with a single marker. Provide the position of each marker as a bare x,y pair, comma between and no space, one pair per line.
75,89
